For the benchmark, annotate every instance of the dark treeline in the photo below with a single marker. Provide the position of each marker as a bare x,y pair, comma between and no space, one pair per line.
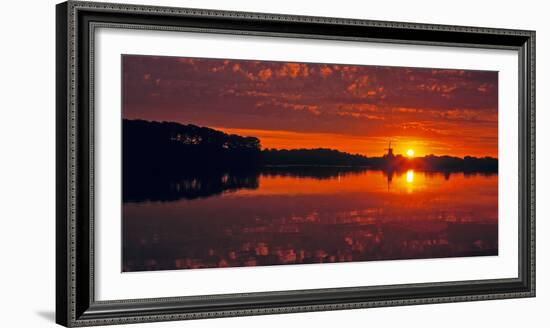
312,157
163,148
434,163
330,157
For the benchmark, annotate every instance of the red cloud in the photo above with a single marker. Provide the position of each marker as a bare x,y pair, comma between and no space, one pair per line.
293,70
325,71
265,74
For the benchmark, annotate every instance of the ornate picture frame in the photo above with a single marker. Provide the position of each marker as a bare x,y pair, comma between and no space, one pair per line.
76,302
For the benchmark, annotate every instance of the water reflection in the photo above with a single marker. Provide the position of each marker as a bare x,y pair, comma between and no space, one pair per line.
215,183
410,176
286,216
212,183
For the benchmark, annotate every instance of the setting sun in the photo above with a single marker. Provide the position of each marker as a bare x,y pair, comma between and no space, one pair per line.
410,152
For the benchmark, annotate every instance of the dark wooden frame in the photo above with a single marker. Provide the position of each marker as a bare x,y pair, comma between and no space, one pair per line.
75,302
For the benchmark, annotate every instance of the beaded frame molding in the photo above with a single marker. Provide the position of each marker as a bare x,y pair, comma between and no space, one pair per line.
75,29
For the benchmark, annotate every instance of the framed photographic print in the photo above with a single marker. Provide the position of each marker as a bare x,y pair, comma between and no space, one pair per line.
214,163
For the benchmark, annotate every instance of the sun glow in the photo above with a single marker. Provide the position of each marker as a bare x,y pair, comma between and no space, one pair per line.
410,152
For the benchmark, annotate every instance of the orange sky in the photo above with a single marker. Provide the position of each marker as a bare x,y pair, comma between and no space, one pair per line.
352,108
365,145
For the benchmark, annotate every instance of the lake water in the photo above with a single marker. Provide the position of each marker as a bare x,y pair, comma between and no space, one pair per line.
298,216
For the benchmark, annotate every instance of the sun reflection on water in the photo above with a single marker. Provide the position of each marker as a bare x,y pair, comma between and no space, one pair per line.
410,176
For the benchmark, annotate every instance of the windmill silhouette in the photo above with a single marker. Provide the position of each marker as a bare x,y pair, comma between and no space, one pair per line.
389,158
390,151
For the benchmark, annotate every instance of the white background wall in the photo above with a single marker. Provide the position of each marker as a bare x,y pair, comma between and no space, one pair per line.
27,161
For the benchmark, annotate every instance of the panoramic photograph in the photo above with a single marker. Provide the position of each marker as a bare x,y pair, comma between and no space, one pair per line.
241,163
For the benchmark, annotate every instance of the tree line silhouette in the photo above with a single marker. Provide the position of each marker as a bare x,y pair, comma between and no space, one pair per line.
167,147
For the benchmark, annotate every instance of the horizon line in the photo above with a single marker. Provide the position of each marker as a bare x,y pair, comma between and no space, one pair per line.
418,142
